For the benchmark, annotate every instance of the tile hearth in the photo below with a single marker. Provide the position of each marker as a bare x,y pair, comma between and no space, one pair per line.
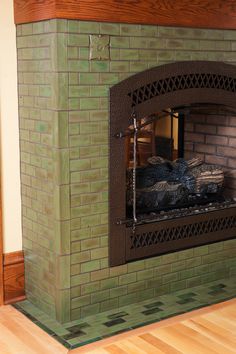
93,328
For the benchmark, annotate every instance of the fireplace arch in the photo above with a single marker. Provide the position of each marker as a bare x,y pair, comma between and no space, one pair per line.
172,85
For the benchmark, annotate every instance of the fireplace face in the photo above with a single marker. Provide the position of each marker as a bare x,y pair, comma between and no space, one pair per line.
170,160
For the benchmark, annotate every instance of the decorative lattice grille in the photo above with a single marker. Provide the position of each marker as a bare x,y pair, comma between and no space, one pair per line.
182,82
151,238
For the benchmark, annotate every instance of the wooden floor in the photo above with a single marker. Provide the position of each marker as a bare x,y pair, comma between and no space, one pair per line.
206,331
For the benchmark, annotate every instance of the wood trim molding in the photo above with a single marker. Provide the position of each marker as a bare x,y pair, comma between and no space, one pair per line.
13,277
196,13
1,253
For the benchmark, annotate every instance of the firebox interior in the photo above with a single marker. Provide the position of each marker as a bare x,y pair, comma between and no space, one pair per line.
172,167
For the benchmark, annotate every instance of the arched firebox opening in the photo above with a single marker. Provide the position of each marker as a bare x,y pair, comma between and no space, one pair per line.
172,182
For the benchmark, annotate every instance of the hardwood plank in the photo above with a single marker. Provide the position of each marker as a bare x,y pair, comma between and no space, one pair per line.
114,349
158,343
223,322
214,332
202,339
197,13
130,347
147,348
180,341
21,336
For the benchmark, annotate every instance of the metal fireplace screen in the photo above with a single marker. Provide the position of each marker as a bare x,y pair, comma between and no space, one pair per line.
179,84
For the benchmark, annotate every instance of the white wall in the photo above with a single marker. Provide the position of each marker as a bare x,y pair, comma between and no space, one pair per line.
9,135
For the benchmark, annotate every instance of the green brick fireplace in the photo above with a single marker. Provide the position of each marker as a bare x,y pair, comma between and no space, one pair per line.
63,85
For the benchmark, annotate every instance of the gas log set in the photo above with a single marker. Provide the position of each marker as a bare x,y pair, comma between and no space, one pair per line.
165,185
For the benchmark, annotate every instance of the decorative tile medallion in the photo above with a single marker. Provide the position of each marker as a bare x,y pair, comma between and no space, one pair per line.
99,47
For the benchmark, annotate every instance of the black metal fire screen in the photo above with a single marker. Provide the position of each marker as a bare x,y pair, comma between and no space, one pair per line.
174,85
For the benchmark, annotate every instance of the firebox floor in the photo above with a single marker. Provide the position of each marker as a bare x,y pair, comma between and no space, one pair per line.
109,323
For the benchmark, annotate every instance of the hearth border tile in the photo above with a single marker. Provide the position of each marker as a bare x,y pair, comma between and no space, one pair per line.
93,328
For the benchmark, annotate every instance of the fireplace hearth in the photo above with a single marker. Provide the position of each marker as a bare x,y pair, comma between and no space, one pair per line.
185,200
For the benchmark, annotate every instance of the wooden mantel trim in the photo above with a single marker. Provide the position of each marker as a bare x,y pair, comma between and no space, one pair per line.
219,14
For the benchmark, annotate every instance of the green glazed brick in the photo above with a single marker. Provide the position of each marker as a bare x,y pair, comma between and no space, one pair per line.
80,165
90,199
27,29
79,91
75,177
79,116
145,274
99,66
45,91
84,53
88,27
90,151
89,221
99,186
80,279
80,188
200,251
74,104
109,305
73,26
169,278
129,54
99,115
137,286
100,296
75,269
107,28
187,273
99,253
90,175
139,66
89,103
178,285
73,78
90,288
100,274
216,247
80,234
78,40
119,42
118,291
74,128
99,208
108,78
90,310
194,262
186,254
127,278
119,66
80,257
90,266
99,91
73,53
80,301
75,201
130,30
82,141
99,230
146,30
88,78
128,299
90,244
80,211
78,65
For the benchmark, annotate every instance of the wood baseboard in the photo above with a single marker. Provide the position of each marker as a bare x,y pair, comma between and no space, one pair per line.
13,277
